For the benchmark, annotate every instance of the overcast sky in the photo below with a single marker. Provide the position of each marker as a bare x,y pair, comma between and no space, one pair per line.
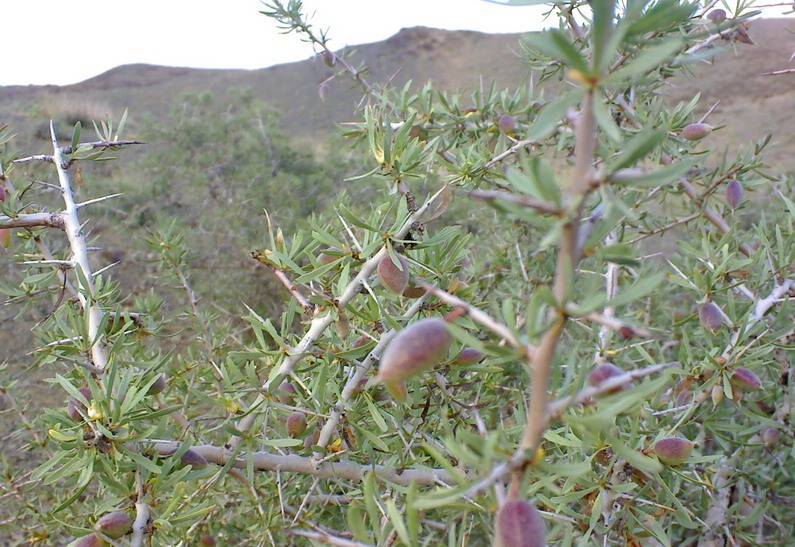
67,41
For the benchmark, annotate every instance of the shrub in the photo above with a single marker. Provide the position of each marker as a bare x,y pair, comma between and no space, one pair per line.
592,234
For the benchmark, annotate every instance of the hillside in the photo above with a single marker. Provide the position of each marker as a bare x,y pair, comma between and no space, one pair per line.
752,104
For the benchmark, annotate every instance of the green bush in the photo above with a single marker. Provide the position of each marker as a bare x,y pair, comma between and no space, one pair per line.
606,364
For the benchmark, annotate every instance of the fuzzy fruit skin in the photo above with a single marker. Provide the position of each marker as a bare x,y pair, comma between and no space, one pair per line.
603,372
734,193
770,437
710,316
519,524
673,450
392,277
296,424
696,131
207,540
467,357
114,525
158,386
90,541
193,458
717,16
507,124
414,350
327,256
286,393
746,380
73,407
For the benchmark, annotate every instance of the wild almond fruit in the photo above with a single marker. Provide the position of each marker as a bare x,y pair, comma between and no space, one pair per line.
73,407
770,437
296,424
394,278
519,524
734,193
711,316
285,394
414,350
603,372
206,540
114,525
507,124
746,380
193,458
90,540
328,256
673,450
159,385
696,131
467,356
717,15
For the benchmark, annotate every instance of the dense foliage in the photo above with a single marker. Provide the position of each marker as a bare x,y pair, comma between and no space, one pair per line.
590,310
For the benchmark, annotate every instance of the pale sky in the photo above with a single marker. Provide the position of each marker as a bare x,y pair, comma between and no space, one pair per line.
67,41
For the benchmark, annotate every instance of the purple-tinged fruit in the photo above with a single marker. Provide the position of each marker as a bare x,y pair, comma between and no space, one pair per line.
711,316
311,440
159,385
286,393
206,540
414,350
507,124
328,256
114,525
413,292
519,524
770,436
603,372
717,15
734,193
394,278
74,407
746,380
193,458
696,131
90,540
673,450
296,424
467,357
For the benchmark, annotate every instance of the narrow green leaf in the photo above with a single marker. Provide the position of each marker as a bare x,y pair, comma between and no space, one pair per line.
549,116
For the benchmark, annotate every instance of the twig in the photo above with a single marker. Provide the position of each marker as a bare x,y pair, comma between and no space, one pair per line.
31,220
483,318
77,243
66,150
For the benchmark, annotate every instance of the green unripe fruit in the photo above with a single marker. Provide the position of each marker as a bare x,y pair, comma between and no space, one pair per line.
414,350
711,316
696,131
296,424
519,524
394,278
673,450
114,525
746,380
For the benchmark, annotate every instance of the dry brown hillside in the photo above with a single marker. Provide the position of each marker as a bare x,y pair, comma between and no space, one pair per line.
750,103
